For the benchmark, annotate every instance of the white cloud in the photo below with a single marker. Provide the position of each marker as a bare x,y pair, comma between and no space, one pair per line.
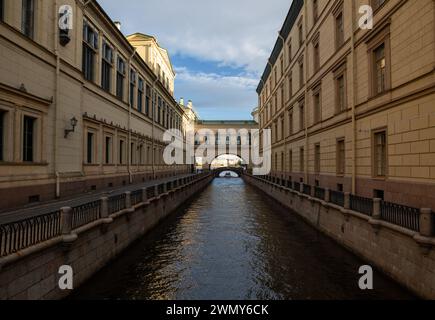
236,33
232,32
217,96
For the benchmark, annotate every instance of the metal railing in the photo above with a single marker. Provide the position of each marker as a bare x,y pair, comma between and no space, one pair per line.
19,235
136,197
361,204
296,186
319,193
85,213
400,215
116,203
307,189
337,197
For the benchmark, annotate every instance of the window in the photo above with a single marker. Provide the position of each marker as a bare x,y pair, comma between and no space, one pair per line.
290,122
121,151
2,134
28,18
106,67
28,138
317,158
341,157
90,148
159,110
380,154
147,101
140,89
132,86
301,72
289,51
290,85
2,10
132,153
380,69
302,116
376,4
302,159
282,128
282,162
141,158
315,10
290,160
108,150
317,109
90,46
301,34
281,63
339,30
120,75
340,94
316,56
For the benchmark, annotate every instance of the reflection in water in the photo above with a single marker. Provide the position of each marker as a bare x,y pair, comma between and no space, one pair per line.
232,242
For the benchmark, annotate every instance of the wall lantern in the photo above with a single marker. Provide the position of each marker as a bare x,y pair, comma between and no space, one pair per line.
73,123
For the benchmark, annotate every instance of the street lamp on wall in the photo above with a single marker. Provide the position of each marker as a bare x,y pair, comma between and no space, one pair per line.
73,123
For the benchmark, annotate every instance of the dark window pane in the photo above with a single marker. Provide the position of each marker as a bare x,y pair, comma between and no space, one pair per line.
90,147
2,134
28,143
28,12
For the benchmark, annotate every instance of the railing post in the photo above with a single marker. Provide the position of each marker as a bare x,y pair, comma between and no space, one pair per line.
377,208
104,207
66,219
347,200
313,191
144,195
128,199
165,187
156,190
301,188
426,223
327,195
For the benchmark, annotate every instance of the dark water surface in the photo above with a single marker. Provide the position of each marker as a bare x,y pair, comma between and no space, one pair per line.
232,242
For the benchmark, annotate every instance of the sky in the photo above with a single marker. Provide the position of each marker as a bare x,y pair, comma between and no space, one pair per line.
219,49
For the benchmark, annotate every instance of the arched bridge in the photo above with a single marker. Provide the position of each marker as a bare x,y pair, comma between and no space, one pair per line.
238,170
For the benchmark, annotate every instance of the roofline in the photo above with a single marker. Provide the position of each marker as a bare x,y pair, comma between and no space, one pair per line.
289,22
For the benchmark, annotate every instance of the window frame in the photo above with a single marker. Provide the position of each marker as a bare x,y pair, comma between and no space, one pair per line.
340,162
106,65
375,174
25,24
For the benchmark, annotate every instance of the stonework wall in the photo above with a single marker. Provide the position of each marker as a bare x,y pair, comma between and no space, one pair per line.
33,272
391,249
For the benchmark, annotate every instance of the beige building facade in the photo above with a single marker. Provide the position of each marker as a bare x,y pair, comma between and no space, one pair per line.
82,109
353,109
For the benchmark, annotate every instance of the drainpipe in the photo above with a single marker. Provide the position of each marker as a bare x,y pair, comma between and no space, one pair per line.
56,99
130,174
353,99
306,91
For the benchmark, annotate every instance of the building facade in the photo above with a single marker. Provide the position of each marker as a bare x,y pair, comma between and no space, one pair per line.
353,109
82,108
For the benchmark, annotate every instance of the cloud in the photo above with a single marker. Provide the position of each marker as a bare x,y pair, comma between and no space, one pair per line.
227,34
232,32
217,96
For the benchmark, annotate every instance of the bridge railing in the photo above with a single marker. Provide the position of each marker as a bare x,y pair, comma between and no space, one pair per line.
22,234
397,214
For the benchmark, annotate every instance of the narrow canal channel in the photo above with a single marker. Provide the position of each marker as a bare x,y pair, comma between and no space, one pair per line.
232,242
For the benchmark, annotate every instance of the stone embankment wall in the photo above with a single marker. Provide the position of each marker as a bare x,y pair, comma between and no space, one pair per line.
405,255
33,273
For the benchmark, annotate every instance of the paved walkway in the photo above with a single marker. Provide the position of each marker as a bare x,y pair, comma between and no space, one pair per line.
76,200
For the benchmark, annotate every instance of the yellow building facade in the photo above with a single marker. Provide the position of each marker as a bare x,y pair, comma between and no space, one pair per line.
82,109
353,109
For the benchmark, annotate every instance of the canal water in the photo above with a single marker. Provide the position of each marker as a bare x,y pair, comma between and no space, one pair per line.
233,242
